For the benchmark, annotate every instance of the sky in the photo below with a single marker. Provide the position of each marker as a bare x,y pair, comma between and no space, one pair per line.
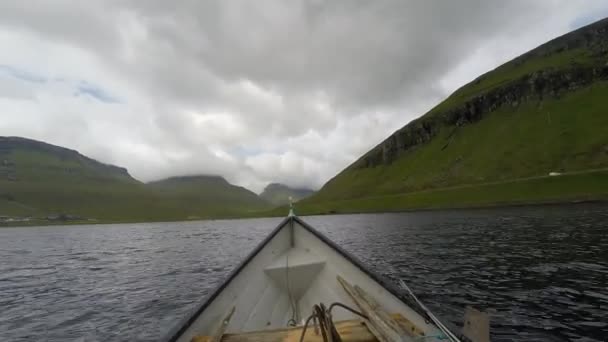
256,91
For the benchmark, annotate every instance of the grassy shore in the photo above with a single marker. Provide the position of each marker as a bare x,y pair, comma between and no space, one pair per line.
575,187
567,188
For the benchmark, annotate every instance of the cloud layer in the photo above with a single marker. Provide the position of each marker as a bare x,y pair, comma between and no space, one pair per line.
257,91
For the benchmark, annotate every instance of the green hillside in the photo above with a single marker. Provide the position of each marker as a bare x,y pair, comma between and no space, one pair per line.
546,111
213,193
279,194
45,181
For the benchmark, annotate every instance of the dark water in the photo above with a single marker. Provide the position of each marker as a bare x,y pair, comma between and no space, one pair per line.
543,270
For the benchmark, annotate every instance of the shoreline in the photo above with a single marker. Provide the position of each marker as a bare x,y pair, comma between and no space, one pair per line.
477,207
34,224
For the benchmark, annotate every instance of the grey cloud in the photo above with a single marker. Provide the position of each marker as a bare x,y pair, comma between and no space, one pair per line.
66,20
304,86
360,53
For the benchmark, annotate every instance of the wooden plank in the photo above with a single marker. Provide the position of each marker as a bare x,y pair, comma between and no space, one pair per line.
201,339
407,324
379,322
404,325
350,331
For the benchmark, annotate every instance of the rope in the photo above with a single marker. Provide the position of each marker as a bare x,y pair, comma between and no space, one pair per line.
323,320
292,321
347,308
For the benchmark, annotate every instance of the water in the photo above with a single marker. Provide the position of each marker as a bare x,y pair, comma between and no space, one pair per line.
543,271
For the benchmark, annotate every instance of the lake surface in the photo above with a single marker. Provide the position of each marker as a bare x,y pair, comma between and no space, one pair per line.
543,270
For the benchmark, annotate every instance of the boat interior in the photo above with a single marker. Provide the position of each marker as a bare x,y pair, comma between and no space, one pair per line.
275,289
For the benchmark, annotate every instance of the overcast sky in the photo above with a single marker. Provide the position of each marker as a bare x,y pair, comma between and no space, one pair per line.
257,91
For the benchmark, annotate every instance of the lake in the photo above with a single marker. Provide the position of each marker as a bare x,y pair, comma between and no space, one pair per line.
542,270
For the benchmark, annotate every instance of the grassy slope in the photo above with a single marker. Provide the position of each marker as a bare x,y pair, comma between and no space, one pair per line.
537,60
214,194
561,53
533,140
51,184
574,187
560,133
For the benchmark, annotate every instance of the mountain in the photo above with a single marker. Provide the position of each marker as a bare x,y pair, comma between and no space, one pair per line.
279,194
30,160
42,180
496,139
212,192
39,179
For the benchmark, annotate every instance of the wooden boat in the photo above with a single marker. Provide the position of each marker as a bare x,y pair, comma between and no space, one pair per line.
297,272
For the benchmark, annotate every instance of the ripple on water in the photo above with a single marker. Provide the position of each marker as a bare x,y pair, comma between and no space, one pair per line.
25,274
543,272
596,295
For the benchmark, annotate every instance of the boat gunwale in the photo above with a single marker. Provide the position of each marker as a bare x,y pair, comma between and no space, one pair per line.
176,332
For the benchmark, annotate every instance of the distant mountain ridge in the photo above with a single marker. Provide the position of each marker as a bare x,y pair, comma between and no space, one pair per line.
11,145
209,190
279,194
191,178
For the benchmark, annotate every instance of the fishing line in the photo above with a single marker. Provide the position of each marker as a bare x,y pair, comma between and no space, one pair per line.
448,334
435,320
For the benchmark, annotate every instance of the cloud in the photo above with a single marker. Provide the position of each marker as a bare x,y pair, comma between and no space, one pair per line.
23,75
289,91
86,89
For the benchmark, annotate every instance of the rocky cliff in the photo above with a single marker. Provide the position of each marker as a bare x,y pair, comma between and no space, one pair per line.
562,65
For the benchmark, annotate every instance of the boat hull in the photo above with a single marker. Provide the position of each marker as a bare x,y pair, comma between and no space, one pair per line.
276,286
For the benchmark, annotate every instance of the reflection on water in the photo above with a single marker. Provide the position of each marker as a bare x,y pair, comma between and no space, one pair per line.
543,271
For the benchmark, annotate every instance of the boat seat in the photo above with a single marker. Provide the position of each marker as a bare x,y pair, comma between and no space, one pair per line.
298,265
